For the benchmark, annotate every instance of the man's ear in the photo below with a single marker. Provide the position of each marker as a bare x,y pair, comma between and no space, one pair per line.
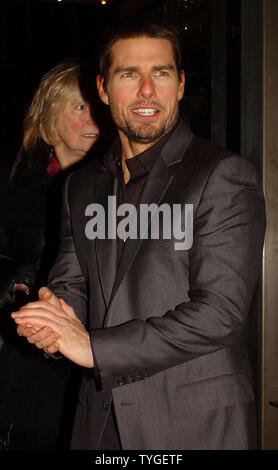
102,90
181,85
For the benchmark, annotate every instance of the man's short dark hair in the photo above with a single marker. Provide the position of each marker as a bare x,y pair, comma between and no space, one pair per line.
143,27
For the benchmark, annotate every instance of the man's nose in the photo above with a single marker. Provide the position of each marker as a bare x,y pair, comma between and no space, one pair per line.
147,89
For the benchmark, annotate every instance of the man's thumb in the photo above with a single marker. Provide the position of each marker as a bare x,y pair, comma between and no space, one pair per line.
48,296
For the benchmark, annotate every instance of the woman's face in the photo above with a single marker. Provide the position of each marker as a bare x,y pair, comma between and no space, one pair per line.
75,131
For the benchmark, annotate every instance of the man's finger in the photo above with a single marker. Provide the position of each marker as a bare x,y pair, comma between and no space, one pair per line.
43,334
25,331
48,296
67,309
38,322
39,307
48,341
53,348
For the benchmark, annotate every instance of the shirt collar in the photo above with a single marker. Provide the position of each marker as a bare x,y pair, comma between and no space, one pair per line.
139,165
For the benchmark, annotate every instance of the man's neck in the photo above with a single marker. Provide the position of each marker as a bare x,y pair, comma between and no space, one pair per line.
129,150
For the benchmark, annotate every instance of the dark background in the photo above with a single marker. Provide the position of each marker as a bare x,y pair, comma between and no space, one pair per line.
36,35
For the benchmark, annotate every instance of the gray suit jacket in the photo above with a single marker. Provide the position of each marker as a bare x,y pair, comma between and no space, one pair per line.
168,327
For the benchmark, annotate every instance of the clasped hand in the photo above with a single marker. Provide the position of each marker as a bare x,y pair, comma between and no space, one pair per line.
51,324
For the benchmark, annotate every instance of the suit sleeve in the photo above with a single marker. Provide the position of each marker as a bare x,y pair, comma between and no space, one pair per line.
224,265
65,278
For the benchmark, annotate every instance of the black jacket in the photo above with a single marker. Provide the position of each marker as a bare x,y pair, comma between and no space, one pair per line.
31,387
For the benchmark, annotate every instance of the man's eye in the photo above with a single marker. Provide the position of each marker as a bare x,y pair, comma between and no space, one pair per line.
128,74
162,73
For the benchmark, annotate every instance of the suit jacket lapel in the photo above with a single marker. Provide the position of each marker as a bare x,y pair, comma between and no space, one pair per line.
157,184
106,249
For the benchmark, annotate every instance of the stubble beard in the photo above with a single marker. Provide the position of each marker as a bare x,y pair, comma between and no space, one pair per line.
143,133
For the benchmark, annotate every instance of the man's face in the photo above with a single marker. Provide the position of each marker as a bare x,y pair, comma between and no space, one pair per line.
143,88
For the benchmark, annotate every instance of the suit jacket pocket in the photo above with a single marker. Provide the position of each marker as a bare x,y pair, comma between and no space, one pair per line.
216,392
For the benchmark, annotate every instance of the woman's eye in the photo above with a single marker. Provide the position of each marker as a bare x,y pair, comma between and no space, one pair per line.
80,107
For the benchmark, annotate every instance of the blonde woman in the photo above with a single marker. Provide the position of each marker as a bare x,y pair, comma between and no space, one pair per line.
59,131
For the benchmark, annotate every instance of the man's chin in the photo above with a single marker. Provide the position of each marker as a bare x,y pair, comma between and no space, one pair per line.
144,140
143,135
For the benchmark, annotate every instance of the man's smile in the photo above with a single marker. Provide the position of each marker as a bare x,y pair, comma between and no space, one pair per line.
145,112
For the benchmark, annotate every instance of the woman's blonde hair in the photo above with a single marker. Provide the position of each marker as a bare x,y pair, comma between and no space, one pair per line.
56,88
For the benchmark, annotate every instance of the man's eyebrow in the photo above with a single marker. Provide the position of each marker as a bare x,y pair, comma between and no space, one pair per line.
163,67
125,69
155,68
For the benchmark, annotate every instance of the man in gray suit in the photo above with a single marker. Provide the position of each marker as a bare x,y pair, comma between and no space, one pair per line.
159,331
